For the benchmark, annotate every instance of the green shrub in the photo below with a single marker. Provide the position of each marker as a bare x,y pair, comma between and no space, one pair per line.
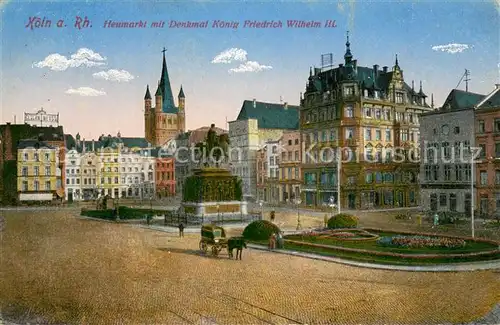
135,213
343,220
260,230
103,214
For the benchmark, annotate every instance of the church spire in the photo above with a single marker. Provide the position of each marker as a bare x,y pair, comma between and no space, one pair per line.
148,94
181,93
168,105
348,54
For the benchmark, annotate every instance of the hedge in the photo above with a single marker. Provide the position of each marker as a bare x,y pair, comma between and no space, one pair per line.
124,213
260,230
343,220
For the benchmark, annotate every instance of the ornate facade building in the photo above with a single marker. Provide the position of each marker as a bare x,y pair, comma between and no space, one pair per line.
373,115
165,120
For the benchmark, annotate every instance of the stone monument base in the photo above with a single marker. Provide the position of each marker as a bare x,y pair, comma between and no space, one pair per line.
210,211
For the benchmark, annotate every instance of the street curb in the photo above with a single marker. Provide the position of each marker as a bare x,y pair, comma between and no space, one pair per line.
465,267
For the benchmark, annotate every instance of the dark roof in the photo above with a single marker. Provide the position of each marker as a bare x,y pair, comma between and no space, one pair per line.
105,141
32,143
166,91
158,91
270,116
181,93
27,131
490,101
460,99
148,94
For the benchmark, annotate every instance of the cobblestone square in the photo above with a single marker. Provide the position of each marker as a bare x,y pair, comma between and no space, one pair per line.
77,271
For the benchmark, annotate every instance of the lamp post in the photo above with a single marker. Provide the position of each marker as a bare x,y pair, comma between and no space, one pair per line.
332,204
261,209
299,226
218,212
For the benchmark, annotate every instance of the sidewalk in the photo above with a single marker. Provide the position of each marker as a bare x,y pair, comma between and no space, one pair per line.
467,267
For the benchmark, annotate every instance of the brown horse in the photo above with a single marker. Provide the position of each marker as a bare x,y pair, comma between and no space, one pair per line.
238,243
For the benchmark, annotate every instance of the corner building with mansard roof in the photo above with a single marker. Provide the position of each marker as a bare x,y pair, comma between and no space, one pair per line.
371,113
165,120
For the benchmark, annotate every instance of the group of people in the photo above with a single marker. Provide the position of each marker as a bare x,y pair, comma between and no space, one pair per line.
276,240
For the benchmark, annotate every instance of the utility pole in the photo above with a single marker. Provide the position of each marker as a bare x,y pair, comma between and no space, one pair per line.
467,74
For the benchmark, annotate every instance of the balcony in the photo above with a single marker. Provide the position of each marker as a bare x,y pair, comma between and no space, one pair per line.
308,186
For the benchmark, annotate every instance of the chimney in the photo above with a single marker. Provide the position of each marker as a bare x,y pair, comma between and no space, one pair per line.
385,69
254,103
375,70
285,105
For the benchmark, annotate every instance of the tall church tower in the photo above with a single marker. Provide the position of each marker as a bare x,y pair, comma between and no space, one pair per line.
164,121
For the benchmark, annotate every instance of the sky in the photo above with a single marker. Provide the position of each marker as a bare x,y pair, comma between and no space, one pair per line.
95,77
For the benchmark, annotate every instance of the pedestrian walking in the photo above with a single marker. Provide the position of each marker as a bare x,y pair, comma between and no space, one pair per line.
148,219
272,216
272,241
181,230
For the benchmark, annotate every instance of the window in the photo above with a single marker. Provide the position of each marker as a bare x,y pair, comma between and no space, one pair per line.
378,177
310,178
458,173
453,202
296,155
378,114
67,181
399,98
289,142
446,149
435,172
467,172
404,135
443,200
324,136
283,156
26,157
116,180
378,135
349,90
368,112
497,150
37,186
349,133
274,149
36,157
25,171
349,111
368,178
482,152
47,157
480,128
47,185
388,135
289,156
496,127
497,177
457,130
296,141
297,173
25,185
36,170
332,135
447,172
368,134
483,177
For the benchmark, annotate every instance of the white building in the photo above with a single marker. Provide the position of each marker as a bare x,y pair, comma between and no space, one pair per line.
257,123
73,188
446,136
136,175
89,171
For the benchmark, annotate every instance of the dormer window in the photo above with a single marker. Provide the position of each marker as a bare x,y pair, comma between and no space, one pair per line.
348,90
399,98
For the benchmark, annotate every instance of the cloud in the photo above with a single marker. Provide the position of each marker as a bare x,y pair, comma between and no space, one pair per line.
83,57
85,91
452,48
250,66
230,55
114,75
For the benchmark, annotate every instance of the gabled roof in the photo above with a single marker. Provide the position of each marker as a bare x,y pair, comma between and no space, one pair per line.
270,115
492,100
459,99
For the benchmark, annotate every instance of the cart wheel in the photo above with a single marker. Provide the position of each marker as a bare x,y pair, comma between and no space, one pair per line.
215,250
203,247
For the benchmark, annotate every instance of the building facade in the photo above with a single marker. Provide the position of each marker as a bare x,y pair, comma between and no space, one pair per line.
165,120
372,114
73,191
256,124
37,165
261,174
289,166
136,174
447,135
165,177
90,170
487,133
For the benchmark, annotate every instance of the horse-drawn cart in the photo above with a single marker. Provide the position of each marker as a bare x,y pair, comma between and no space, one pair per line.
214,238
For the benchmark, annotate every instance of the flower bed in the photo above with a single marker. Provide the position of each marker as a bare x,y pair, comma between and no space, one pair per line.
421,242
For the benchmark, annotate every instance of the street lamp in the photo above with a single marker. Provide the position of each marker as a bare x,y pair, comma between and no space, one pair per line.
261,209
299,226
332,204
